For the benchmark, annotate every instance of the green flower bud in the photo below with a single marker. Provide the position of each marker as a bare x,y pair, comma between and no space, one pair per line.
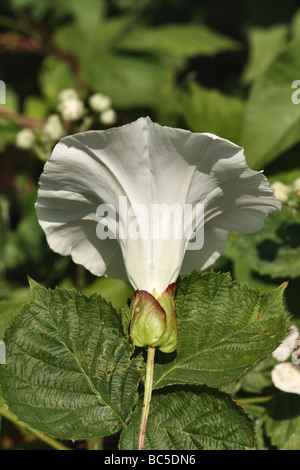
153,320
169,340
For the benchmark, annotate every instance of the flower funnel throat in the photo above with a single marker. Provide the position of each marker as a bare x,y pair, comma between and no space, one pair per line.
153,320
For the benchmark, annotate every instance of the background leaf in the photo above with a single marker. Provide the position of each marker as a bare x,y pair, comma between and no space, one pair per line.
283,422
265,45
271,122
212,111
274,250
258,380
10,307
178,39
129,81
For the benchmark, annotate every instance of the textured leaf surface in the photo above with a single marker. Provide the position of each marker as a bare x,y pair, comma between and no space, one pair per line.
196,418
69,371
224,328
257,413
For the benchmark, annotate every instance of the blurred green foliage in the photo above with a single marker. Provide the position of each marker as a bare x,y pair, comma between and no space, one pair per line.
204,66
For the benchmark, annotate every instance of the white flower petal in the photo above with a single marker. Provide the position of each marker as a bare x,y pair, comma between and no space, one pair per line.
236,198
286,377
285,350
214,245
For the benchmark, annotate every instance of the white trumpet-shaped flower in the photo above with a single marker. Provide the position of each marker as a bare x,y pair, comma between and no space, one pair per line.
149,165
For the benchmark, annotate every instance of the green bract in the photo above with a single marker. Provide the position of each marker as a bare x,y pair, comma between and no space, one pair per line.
153,320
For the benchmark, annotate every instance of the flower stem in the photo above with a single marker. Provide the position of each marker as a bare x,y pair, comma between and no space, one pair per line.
246,401
147,396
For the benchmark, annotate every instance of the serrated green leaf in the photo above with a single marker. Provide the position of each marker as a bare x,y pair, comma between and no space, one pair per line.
224,328
283,421
178,39
192,419
273,251
69,371
258,414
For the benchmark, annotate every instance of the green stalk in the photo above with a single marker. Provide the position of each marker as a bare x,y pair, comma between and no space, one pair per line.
254,400
147,397
48,440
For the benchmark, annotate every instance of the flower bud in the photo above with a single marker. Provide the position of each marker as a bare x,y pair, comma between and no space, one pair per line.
296,185
71,109
108,117
67,94
99,102
25,139
153,320
281,191
53,129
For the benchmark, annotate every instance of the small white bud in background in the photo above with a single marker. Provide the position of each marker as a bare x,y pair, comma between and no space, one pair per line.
99,102
281,191
296,185
53,129
286,377
25,139
108,117
68,94
71,109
